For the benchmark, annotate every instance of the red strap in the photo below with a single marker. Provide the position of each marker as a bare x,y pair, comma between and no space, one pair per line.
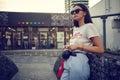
61,68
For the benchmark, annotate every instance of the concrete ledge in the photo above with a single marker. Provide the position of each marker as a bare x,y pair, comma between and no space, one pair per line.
42,52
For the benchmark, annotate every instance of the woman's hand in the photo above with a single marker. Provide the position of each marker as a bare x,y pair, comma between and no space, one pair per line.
73,47
66,47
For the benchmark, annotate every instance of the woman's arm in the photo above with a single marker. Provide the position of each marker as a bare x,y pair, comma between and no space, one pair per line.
97,48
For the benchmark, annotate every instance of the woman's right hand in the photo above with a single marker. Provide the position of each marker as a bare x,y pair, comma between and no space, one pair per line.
66,47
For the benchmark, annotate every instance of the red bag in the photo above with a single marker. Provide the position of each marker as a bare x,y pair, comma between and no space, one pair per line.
61,69
59,64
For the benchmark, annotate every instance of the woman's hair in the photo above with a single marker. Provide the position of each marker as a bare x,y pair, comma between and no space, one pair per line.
87,16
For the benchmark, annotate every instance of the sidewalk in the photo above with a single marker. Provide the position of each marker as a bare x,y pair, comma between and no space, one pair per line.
34,67
38,64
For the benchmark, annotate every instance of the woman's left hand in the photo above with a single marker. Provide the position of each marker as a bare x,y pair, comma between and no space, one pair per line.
76,46
73,47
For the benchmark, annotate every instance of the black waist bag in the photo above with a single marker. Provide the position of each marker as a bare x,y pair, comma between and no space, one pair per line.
7,68
59,64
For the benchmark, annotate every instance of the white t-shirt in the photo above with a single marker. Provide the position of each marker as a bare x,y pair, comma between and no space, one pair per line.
83,34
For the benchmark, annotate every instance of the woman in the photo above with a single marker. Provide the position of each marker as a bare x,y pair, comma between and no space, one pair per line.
85,40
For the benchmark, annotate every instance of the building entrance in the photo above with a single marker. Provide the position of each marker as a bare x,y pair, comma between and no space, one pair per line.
47,40
12,40
43,40
15,40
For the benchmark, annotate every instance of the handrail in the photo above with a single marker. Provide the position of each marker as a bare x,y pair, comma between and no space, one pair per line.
104,17
107,15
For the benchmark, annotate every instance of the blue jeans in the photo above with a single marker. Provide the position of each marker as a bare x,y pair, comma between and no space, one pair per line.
76,68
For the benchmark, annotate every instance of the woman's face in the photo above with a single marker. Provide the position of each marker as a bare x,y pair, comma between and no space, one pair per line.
77,13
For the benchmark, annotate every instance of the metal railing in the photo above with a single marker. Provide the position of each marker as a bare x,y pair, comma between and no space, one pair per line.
104,17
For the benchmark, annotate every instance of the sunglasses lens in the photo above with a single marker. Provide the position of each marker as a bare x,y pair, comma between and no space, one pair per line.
72,12
76,11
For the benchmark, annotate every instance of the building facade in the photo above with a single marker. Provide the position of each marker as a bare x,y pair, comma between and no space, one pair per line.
33,30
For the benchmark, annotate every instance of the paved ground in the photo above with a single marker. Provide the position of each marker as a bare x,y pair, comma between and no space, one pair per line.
34,67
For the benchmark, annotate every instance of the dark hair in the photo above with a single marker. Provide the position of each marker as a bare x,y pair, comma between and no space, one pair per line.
87,16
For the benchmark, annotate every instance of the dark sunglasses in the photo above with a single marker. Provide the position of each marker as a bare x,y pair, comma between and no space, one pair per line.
76,11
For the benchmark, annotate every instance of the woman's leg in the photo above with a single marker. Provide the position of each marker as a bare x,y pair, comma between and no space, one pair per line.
76,68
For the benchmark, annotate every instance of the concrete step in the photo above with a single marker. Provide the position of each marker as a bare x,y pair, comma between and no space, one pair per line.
42,52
